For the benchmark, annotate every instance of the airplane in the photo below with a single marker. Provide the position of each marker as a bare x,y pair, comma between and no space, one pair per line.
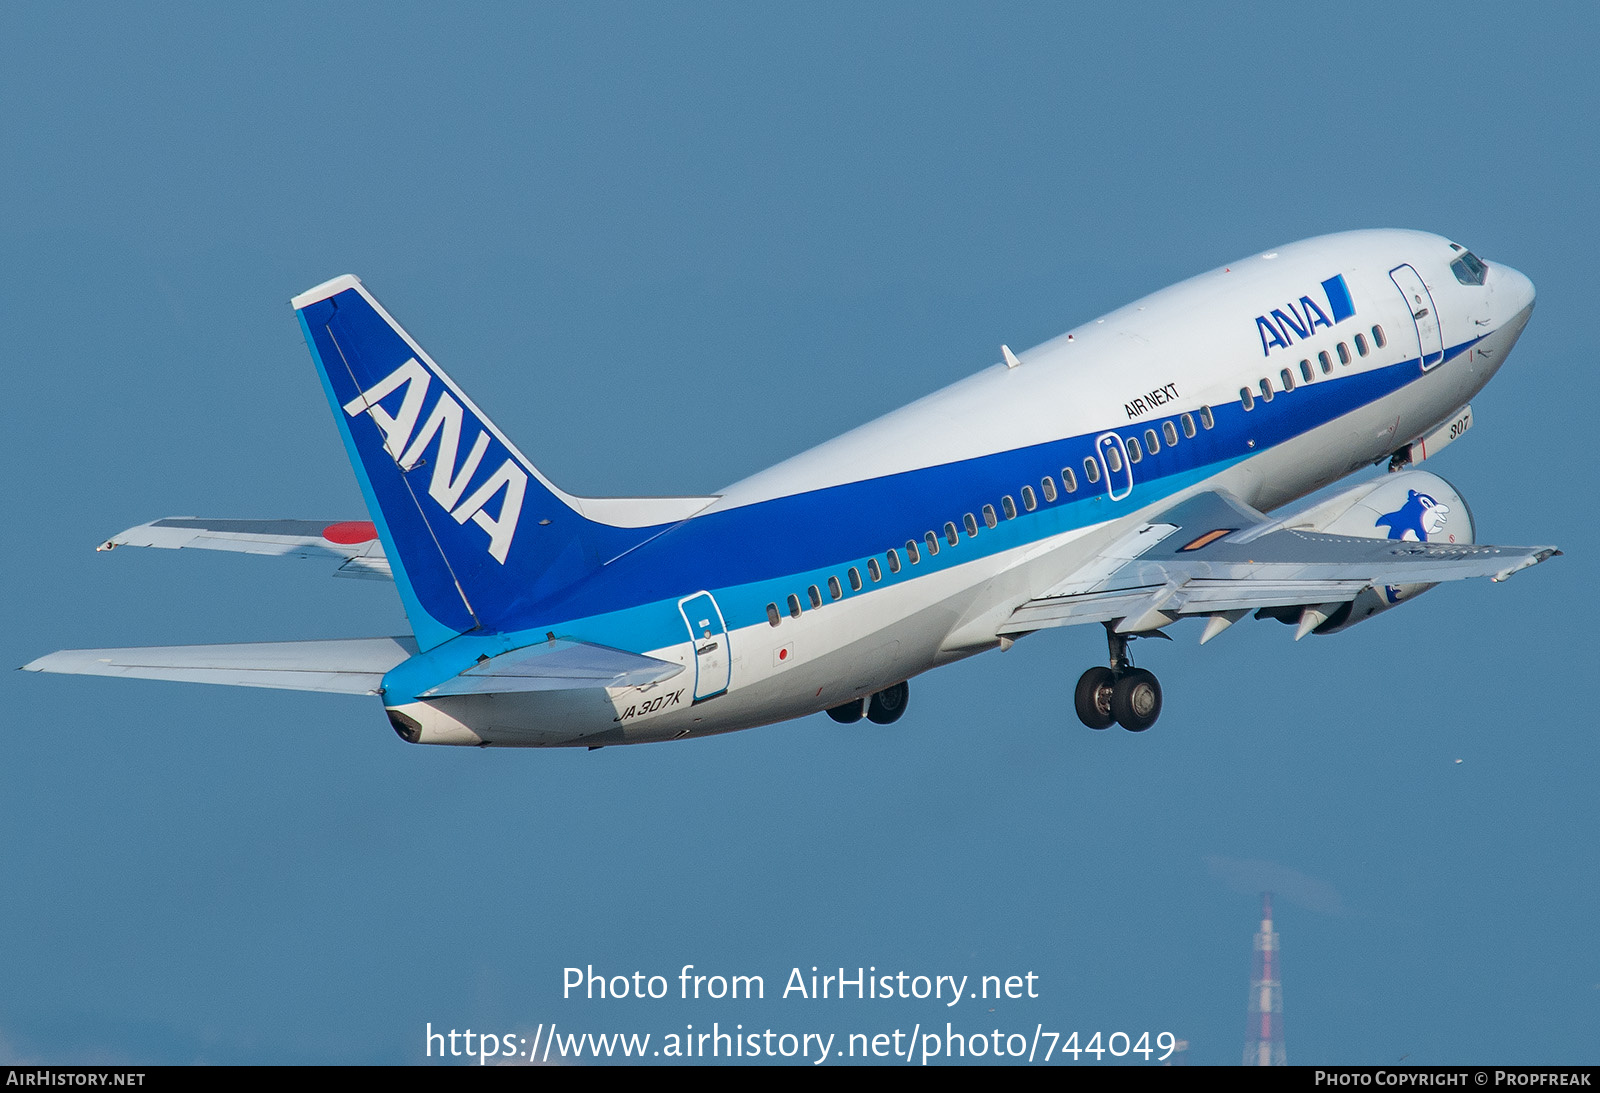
1120,474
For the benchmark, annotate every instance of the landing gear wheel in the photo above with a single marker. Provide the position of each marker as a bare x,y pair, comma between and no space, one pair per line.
850,712
888,704
1135,699
1093,698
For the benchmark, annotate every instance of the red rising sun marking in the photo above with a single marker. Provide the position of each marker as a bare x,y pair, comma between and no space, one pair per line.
350,532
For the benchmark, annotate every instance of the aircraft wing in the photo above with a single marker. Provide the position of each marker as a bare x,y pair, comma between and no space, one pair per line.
350,666
1213,555
351,547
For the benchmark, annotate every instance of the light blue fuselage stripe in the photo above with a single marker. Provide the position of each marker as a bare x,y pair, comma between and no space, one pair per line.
762,553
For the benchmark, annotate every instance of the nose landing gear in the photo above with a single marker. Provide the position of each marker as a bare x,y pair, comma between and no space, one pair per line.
1120,694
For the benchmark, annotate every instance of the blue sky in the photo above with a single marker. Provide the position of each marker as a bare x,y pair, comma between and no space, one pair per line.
665,247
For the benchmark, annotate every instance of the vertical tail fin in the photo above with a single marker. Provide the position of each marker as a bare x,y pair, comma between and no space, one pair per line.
473,528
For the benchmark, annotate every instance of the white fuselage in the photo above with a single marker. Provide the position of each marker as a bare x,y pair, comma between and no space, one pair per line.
1188,351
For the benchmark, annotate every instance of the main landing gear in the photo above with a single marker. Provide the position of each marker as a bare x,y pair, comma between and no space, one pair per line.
883,708
1120,694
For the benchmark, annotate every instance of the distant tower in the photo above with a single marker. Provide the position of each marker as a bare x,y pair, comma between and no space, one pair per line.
1263,1038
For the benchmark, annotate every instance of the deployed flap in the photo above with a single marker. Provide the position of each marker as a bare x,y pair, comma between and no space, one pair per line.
1211,554
348,666
351,546
557,665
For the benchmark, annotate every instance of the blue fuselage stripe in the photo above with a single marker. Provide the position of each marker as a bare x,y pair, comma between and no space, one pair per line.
762,553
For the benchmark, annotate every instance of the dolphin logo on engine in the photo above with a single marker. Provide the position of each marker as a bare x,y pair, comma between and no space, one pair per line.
1422,515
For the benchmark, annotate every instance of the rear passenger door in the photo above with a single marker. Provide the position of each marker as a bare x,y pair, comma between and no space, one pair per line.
708,635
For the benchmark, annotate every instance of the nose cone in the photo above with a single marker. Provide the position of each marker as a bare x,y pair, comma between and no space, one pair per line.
1513,295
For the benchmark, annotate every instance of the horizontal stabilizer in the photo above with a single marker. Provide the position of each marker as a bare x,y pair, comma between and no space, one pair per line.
558,665
348,666
351,547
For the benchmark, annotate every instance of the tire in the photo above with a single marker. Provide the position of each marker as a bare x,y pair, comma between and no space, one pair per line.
1136,700
888,704
850,712
1092,699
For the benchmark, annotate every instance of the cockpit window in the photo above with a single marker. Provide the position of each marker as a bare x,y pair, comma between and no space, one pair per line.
1469,269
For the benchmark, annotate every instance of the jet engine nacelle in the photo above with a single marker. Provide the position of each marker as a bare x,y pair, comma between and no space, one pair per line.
1410,505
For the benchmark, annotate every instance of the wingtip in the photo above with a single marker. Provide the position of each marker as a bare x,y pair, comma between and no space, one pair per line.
1543,554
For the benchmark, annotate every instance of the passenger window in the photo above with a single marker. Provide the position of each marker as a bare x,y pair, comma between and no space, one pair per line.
1266,390
894,559
1048,485
953,536
1135,453
932,540
855,579
874,571
1205,417
1170,431
1245,398
1009,507
1091,470
1361,345
1378,338
1188,425
1151,444
1027,498
1288,380
988,516
1069,480
1113,460
1326,362
772,614
833,588
1305,371
816,596
794,607
911,552
1344,353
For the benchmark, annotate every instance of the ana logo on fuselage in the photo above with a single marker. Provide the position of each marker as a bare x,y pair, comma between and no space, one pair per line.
1280,327
406,444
